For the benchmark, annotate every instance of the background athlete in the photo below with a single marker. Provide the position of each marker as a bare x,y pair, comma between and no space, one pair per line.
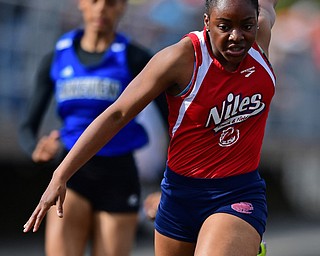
87,72
219,87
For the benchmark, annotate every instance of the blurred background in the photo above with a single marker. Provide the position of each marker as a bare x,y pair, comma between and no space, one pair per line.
291,153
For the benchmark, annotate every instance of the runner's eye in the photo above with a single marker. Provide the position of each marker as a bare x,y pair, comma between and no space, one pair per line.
223,27
248,27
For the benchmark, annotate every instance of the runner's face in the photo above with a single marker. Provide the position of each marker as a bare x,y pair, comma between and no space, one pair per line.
101,15
233,29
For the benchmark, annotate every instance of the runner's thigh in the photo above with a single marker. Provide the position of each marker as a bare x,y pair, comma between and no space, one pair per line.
114,233
166,246
68,235
224,234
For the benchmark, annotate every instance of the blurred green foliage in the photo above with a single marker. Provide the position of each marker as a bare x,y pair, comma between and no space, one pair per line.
287,3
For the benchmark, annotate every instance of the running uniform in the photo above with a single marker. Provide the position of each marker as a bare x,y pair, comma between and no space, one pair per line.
217,125
85,84
83,92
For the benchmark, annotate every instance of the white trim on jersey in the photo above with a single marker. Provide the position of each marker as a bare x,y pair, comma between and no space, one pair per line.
202,71
257,56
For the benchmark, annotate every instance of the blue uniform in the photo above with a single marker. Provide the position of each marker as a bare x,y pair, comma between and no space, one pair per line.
83,92
242,195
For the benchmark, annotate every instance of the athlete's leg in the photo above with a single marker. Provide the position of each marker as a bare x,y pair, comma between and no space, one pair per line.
227,235
114,233
166,246
68,236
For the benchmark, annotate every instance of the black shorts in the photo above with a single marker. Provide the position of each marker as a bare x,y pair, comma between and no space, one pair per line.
109,183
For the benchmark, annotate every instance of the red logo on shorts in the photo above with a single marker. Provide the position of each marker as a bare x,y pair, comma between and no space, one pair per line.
243,207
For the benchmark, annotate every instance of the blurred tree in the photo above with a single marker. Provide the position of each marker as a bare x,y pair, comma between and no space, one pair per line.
286,3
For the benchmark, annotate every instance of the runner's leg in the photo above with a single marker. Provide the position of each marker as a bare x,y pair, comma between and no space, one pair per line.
114,233
227,235
68,235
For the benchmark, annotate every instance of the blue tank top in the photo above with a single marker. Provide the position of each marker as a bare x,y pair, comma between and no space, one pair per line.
83,92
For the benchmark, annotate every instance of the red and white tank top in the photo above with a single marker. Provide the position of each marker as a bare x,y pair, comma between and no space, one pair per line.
217,126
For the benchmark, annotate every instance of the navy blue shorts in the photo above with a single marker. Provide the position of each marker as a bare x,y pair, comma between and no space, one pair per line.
109,183
187,202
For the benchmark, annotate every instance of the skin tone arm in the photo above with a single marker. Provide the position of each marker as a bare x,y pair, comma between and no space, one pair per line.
171,69
267,18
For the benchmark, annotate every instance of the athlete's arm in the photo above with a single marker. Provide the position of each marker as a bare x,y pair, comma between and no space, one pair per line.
138,58
267,17
37,106
171,67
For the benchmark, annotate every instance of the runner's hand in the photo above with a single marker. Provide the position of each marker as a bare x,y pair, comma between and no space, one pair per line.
151,204
54,195
47,147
